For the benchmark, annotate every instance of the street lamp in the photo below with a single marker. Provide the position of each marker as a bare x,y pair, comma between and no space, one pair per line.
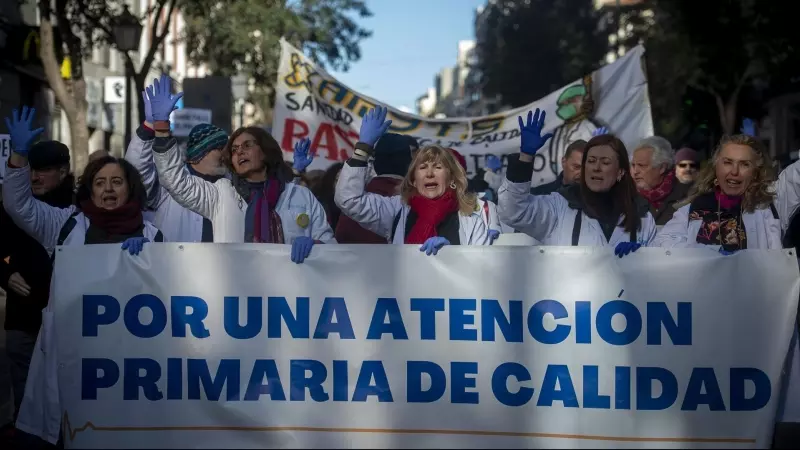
127,35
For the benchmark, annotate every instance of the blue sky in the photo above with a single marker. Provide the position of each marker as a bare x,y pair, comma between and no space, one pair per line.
411,41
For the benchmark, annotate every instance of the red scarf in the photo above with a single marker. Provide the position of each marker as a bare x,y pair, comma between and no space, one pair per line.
656,196
268,227
122,221
430,213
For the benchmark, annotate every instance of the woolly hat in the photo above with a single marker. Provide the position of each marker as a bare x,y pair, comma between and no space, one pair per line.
202,139
393,154
459,157
47,154
686,154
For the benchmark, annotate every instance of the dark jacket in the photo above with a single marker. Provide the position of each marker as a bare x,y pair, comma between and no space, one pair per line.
549,188
22,253
679,193
348,231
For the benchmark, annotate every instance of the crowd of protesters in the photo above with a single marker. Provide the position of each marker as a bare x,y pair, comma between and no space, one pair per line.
238,189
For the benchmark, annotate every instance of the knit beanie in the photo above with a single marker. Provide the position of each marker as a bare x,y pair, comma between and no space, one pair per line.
393,154
47,154
686,154
202,139
459,157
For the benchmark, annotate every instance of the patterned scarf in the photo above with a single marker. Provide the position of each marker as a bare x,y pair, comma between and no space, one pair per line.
657,195
721,221
263,224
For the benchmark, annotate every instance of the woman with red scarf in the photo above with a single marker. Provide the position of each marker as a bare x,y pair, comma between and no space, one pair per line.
110,200
736,203
433,208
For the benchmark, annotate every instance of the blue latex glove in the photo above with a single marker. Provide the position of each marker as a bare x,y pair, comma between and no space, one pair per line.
600,131
531,133
493,163
302,157
432,245
134,245
623,248
162,102
493,235
301,248
374,125
748,127
722,251
148,110
19,128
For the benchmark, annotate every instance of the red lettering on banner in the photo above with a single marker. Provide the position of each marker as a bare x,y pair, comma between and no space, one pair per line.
350,137
290,133
325,138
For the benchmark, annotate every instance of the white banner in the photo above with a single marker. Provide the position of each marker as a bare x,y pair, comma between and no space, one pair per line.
5,152
185,119
311,103
378,346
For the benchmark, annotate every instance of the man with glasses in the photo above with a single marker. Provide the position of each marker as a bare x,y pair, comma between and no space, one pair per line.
686,165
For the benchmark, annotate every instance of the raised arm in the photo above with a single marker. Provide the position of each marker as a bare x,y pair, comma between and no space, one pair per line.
536,216
140,155
374,212
193,193
38,219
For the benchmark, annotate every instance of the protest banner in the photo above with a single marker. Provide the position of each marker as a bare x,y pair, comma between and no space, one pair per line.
309,102
5,152
234,346
185,119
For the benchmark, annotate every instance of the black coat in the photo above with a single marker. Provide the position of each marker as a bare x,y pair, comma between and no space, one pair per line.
549,188
663,214
22,253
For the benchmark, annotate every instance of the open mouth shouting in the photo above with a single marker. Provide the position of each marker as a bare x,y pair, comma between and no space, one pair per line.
109,200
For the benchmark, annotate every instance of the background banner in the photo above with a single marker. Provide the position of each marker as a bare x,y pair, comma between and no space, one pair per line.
234,346
309,102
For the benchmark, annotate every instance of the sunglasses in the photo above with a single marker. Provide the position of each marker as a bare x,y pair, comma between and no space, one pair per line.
687,165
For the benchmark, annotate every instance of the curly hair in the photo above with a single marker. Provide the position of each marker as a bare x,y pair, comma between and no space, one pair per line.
467,202
759,193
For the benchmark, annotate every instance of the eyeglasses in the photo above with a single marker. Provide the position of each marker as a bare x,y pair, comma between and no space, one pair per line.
687,165
246,145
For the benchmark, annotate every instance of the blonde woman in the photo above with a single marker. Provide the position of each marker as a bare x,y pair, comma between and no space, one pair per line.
433,208
735,203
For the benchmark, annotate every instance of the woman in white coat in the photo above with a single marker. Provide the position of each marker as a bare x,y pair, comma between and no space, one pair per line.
110,200
258,204
736,203
603,210
434,208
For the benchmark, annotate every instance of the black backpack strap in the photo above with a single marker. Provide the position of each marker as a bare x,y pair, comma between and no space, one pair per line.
395,224
774,211
633,236
67,228
576,227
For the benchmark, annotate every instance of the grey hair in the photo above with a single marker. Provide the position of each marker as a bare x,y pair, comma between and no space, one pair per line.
663,154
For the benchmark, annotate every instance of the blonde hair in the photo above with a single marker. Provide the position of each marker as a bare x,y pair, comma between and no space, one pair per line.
759,194
467,203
